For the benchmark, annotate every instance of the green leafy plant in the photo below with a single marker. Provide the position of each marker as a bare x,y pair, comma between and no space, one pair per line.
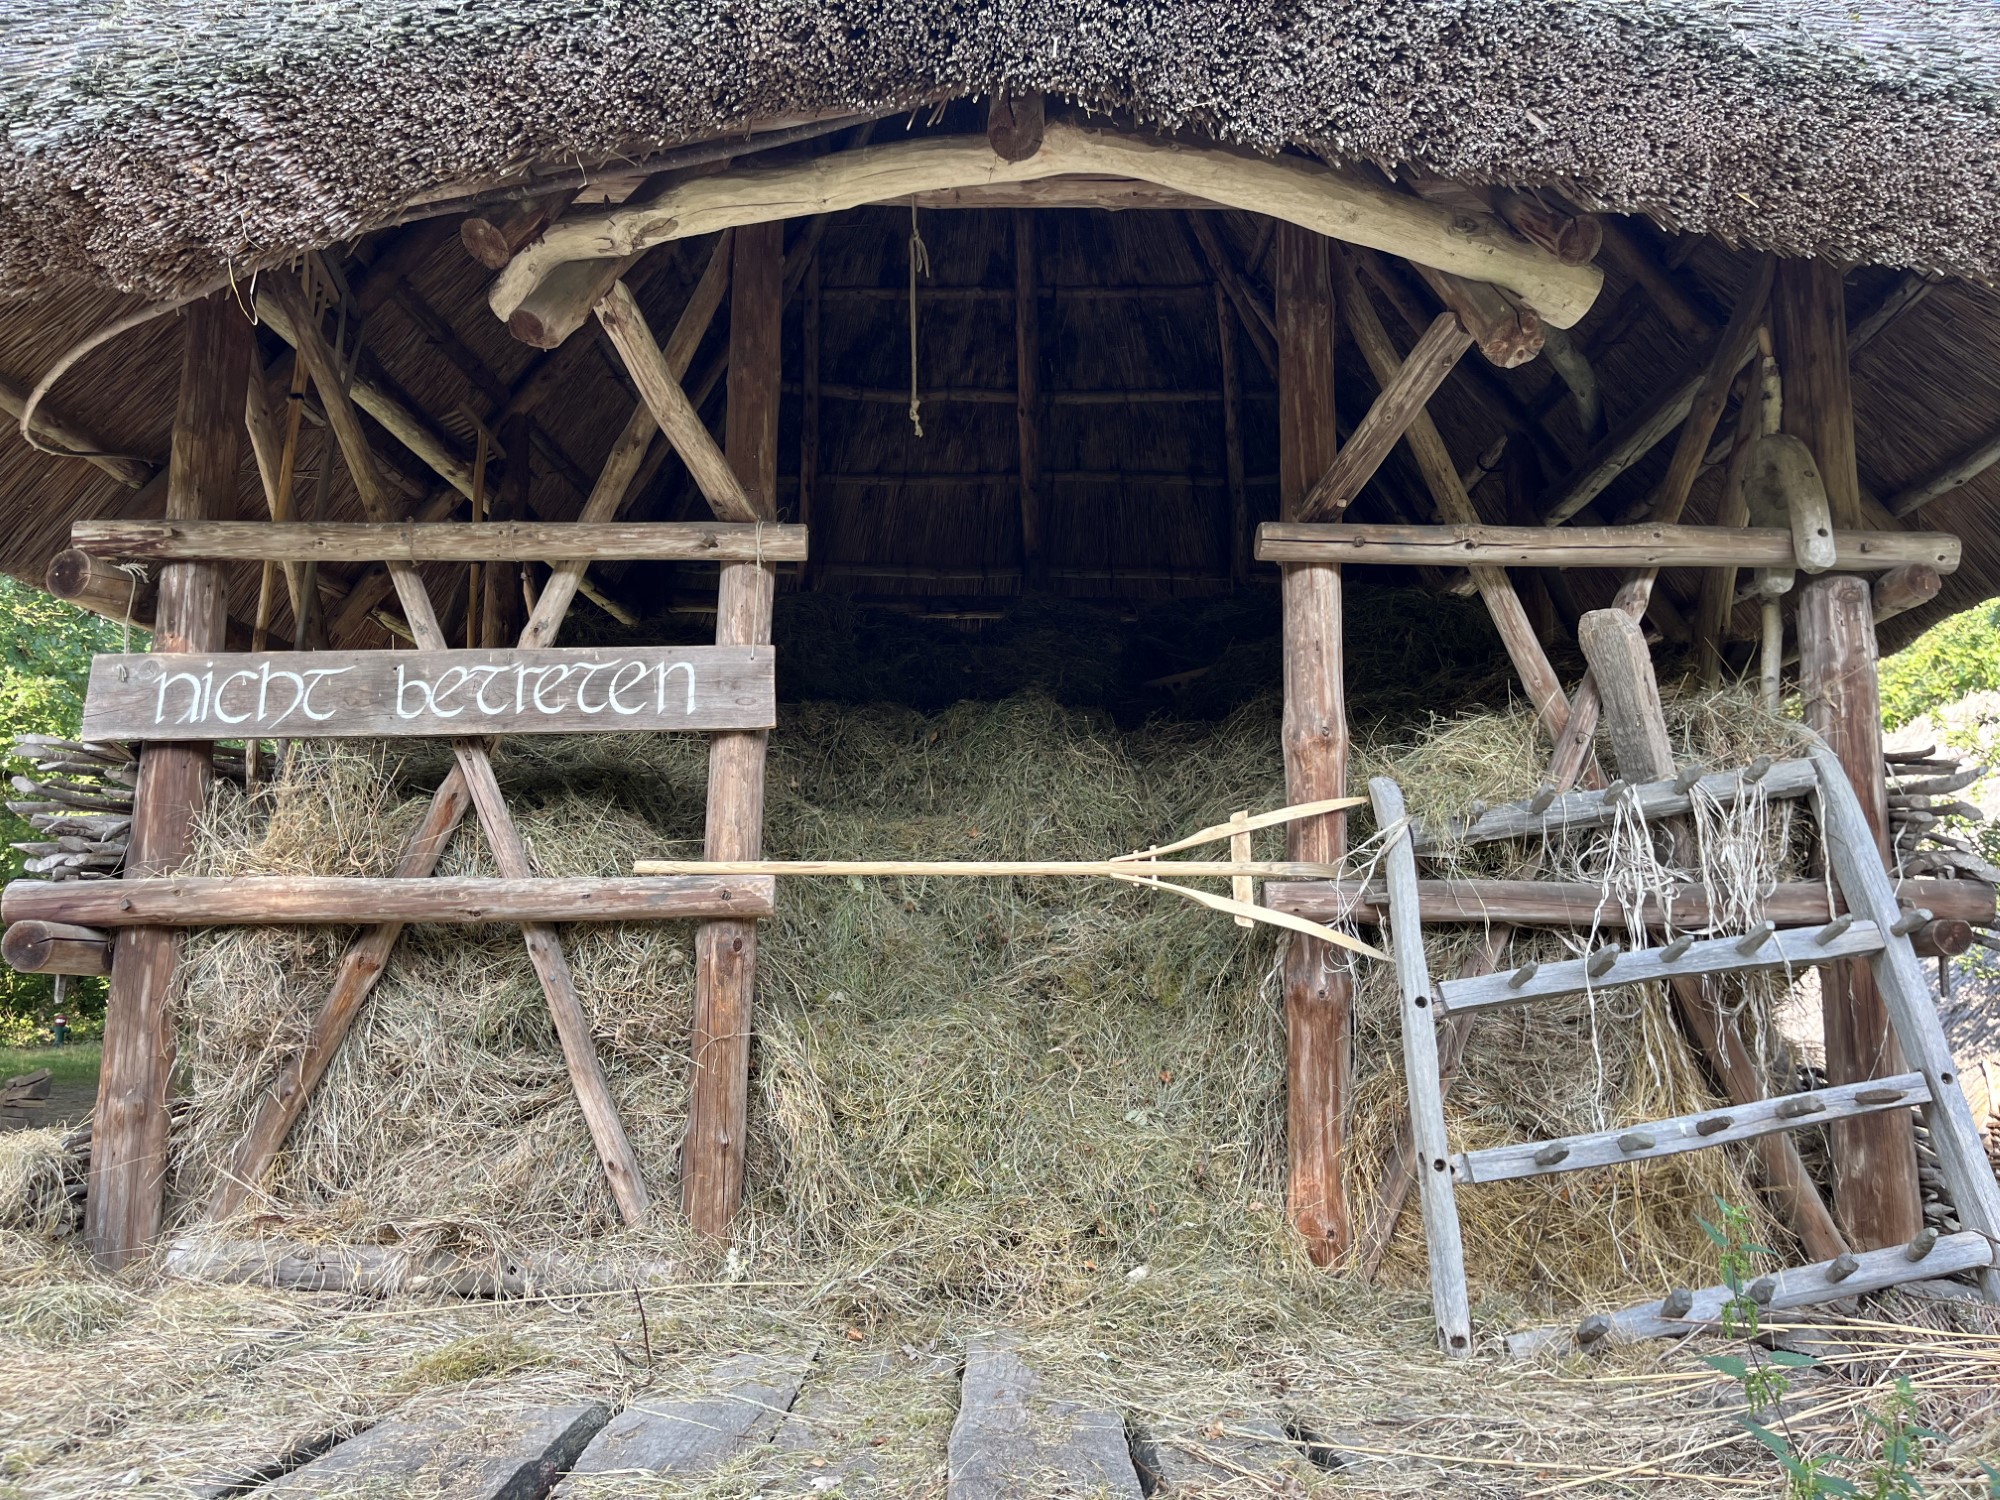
1765,1375
1958,656
45,651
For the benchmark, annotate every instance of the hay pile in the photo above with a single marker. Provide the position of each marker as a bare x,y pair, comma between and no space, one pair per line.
967,1094
1053,1107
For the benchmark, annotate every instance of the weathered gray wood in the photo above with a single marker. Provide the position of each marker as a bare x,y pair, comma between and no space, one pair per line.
746,1398
1232,1456
1449,1302
868,1422
1796,1286
1010,1441
495,1453
1551,903
378,694
1796,948
1596,809
278,900
1955,472
1643,546
1714,1127
442,541
1619,659
1857,864
1780,478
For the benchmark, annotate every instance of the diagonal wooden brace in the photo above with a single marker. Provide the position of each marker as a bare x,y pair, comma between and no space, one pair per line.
279,1108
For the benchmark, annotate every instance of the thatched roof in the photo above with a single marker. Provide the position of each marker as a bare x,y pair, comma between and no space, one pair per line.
150,155
152,148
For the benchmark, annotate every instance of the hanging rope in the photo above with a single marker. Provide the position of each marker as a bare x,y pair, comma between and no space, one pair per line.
920,261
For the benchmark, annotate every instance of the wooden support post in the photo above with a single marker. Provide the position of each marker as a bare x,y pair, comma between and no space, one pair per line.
809,409
1027,398
1232,442
123,1212
1318,990
1629,691
726,952
1874,1160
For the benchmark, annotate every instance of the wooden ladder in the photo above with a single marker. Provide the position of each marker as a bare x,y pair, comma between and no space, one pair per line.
1874,927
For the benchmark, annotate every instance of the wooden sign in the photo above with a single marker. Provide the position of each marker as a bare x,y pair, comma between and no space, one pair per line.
379,694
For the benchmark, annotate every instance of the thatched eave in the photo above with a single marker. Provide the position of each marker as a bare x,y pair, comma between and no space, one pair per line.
156,154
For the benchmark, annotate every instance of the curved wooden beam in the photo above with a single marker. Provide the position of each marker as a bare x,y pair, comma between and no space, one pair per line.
1477,247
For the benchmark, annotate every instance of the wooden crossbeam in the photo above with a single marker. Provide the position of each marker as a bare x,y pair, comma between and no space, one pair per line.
287,900
1553,903
510,853
460,541
1795,948
1829,1280
1643,546
1475,246
57,947
1684,1133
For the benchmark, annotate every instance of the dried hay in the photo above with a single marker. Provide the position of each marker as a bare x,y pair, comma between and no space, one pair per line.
993,1095
1055,1106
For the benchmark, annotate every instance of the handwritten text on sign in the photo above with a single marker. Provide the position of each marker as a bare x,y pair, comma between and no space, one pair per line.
374,694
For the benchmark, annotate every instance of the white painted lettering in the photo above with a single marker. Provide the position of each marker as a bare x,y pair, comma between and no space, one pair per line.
638,669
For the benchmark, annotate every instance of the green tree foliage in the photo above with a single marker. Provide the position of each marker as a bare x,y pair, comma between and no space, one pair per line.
1951,659
45,651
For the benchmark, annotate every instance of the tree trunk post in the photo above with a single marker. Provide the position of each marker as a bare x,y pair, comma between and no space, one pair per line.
726,952
1874,1157
1318,989
125,1207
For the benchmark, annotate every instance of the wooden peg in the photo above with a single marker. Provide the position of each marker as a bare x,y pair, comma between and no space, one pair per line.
1550,1154
1522,975
1757,770
1616,790
1835,929
1687,776
1542,801
1842,1266
1599,963
1762,1290
1592,1330
1241,887
1675,951
1713,1124
1757,937
1879,1096
1678,1303
1910,921
1799,1106
1922,1245
1634,1141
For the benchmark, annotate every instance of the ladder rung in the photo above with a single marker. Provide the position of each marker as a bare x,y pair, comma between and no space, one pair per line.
1654,799
1796,947
1714,1127
1795,1286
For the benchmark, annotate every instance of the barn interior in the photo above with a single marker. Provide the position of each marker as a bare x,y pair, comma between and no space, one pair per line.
1032,431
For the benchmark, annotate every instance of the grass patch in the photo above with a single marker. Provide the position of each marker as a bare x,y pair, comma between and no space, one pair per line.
479,1358
74,1064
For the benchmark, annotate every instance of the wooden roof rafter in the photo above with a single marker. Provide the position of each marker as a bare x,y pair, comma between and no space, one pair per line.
1476,247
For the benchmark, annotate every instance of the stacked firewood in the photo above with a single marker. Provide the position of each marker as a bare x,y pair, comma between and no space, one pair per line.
78,797
1927,816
